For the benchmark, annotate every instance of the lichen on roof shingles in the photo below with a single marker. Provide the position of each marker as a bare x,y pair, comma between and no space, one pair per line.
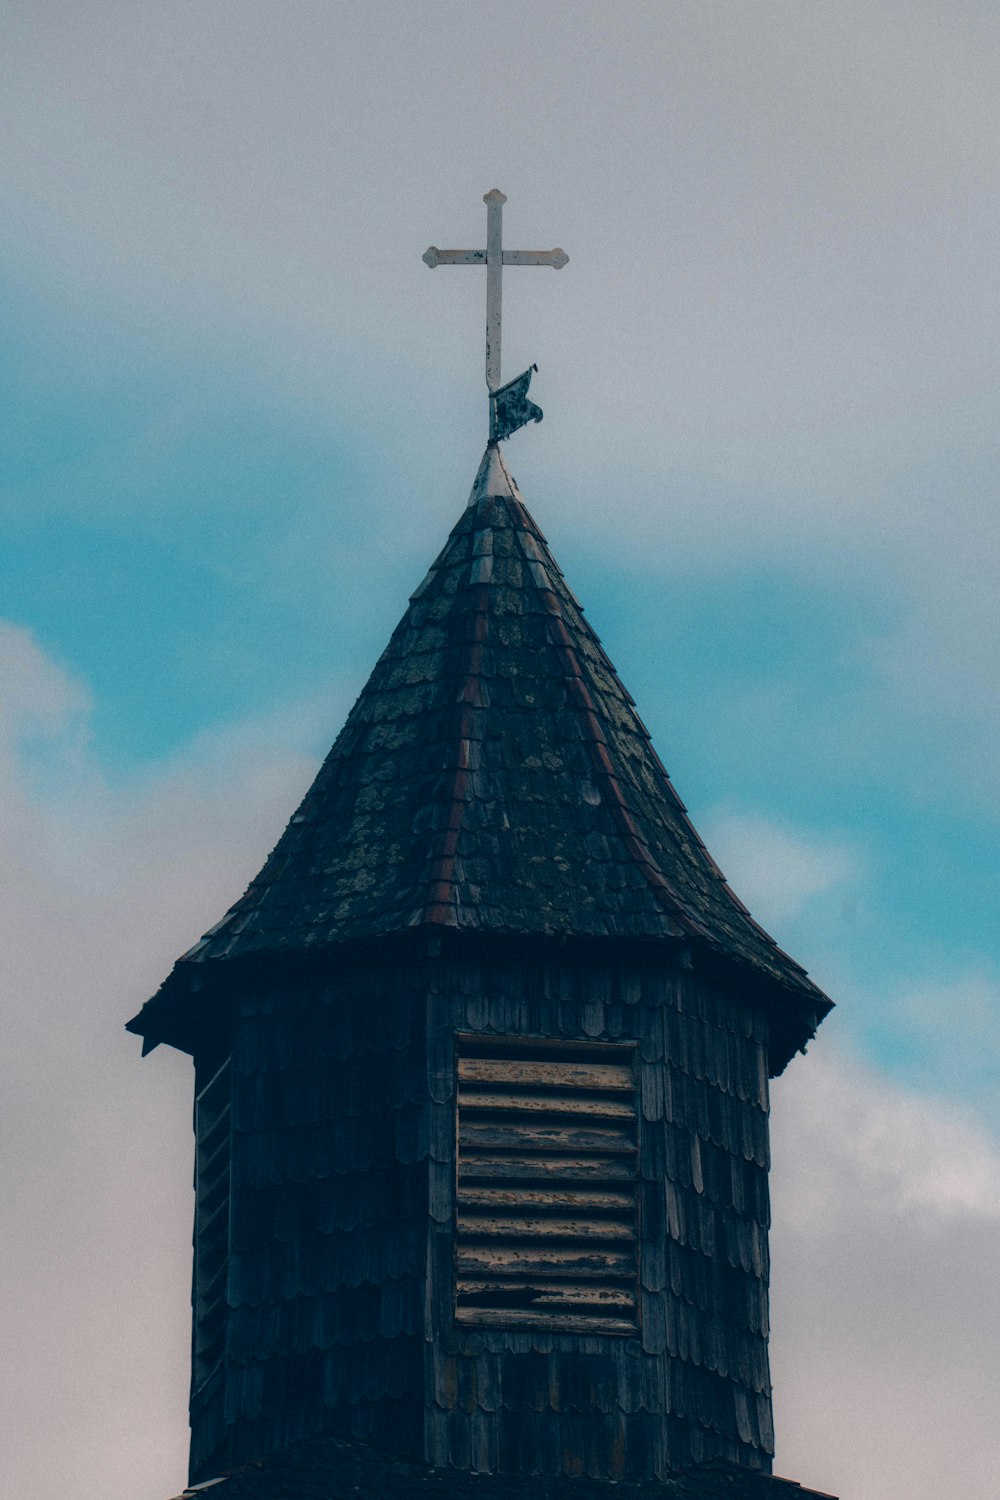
493,775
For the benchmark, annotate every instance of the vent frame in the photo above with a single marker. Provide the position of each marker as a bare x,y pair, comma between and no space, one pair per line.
546,1184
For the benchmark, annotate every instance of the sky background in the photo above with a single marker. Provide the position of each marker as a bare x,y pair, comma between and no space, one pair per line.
240,417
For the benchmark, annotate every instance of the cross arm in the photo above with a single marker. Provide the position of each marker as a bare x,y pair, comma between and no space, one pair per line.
434,257
555,258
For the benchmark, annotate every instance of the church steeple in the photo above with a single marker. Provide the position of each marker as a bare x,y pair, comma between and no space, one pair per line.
495,777
482,1062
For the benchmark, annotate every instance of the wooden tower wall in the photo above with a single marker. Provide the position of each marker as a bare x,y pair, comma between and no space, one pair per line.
693,1383
340,1292
329,1220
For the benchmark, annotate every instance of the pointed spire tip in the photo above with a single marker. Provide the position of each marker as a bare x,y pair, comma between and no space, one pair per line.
493,479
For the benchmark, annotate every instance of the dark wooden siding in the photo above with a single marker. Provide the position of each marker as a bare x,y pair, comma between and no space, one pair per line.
694,1383
212,1184
340,1289
328,1240
212,1132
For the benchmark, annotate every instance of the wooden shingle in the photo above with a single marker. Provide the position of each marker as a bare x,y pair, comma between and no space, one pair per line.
493,776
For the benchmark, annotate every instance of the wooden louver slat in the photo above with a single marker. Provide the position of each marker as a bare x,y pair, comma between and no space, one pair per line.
547,1222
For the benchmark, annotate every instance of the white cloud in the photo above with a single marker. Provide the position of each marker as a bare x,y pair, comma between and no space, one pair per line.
968,1005
952,1030
102,889
885,1304
36,696
777,870
877,1144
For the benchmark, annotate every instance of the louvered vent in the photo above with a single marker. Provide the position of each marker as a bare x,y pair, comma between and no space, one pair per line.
547,1219
211,1224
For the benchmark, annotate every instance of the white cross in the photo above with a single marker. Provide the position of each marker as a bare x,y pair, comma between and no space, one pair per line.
494,257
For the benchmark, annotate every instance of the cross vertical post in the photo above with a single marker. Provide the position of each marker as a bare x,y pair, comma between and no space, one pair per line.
494,201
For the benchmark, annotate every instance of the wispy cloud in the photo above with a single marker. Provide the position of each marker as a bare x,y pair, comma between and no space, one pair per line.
947,1029
886,1213
776,869
101,890
37,698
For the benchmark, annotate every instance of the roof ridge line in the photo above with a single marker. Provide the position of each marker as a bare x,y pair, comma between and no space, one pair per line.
440,905
493,479
668,785
594,739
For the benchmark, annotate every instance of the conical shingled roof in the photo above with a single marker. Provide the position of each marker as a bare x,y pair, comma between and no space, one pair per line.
493,776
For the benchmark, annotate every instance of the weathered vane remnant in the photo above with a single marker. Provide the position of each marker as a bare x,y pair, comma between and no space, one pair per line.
509,406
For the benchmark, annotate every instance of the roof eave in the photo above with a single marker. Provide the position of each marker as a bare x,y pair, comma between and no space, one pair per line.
192,1007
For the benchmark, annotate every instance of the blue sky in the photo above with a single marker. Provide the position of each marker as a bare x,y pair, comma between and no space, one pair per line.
240,418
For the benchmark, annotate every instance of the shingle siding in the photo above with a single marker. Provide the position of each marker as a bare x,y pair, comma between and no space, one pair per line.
694,1382
341,1278
329,1225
